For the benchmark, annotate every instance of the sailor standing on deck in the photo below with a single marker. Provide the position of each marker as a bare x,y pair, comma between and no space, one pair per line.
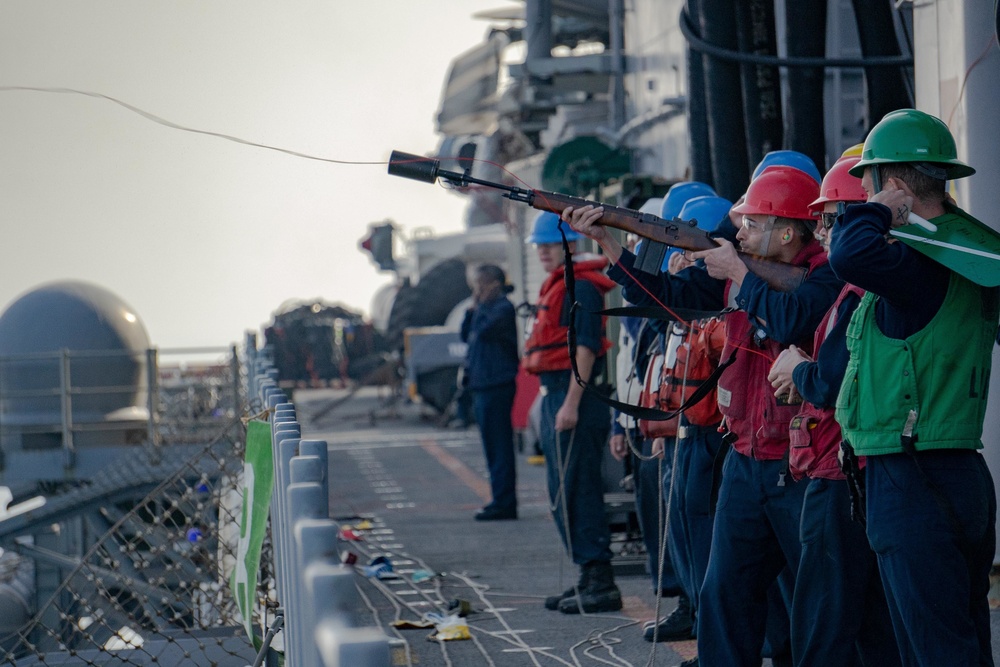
490,330
574,424
756,523
839,613
693,483
914,397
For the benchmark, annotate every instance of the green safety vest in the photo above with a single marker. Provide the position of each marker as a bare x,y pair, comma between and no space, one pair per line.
942,372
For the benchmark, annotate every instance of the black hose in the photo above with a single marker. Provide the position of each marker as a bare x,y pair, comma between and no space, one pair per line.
697,113
724,101
762,113
698,44
886,87
806,38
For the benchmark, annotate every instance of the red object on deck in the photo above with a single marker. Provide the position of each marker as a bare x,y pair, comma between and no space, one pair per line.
527,390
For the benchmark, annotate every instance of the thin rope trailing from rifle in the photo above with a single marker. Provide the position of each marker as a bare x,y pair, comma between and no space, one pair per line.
155,118
177,126
306,156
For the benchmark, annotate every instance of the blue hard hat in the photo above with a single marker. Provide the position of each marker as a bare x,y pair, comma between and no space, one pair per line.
680,193
794,159
546,230
707,211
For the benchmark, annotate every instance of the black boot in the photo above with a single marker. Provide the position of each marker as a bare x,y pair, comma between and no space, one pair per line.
600,593
552,601
678,625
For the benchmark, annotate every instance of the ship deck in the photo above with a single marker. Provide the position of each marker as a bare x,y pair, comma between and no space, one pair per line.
409,488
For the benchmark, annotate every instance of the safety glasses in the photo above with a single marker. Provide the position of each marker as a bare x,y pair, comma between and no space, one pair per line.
752,225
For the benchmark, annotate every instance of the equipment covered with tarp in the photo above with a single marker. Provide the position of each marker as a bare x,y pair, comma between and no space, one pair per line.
316,342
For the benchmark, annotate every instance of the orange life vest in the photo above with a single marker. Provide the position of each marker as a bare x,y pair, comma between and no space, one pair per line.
667,388
547,348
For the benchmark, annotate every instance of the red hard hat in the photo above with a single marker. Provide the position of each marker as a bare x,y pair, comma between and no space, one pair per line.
785,192
839,185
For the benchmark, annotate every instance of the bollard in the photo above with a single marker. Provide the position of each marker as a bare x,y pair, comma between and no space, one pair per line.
306,469
276,398
285,446
332,590
301,500
315,541
321,449
351,647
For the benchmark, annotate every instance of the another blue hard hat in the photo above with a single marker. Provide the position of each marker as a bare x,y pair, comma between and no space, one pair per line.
546,230
794,159
707,211
679,193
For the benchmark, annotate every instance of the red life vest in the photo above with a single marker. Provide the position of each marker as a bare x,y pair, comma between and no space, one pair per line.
650,398
547,348
746,398
814,433
667,388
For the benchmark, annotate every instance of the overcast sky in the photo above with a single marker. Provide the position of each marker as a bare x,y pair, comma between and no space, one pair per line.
205,238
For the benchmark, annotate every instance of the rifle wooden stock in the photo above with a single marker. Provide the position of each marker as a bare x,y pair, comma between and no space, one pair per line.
678,233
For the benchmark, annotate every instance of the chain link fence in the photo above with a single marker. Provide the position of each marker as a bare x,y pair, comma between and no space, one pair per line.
131,565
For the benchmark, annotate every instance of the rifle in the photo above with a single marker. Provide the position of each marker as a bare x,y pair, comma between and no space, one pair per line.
678,233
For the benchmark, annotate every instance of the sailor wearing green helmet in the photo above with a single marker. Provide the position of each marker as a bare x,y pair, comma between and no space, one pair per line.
914,395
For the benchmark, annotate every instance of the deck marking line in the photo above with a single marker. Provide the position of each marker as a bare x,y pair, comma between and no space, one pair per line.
465,474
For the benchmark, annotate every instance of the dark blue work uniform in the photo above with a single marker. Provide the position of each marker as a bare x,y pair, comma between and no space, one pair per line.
839,613
578,453
647,472
947,526
490,330
693,489
756,532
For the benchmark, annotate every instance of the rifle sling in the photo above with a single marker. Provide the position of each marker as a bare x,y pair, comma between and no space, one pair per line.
635,411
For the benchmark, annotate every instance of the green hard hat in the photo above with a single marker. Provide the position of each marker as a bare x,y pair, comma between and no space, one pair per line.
908,135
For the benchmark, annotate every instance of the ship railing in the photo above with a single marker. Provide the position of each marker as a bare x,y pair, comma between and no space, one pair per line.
68,399
317,594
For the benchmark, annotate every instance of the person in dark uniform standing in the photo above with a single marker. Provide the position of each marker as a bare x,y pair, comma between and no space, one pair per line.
915,392
574,423
839,613
756,531
490,330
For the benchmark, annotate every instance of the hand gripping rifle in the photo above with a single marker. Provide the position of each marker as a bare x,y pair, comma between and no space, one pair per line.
678,233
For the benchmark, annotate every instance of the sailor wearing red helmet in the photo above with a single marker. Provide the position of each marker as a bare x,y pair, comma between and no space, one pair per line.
756,532
839,614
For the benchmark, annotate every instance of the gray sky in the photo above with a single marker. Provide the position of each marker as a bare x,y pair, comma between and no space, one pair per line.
205,238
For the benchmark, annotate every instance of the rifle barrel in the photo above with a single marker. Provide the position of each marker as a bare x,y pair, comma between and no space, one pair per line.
678,233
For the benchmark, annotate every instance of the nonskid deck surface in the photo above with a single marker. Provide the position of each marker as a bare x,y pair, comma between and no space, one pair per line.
418,486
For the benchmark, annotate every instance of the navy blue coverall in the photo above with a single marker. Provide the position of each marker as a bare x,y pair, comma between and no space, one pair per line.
839,613
756,531
490,330
647,472
934,561
580,452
